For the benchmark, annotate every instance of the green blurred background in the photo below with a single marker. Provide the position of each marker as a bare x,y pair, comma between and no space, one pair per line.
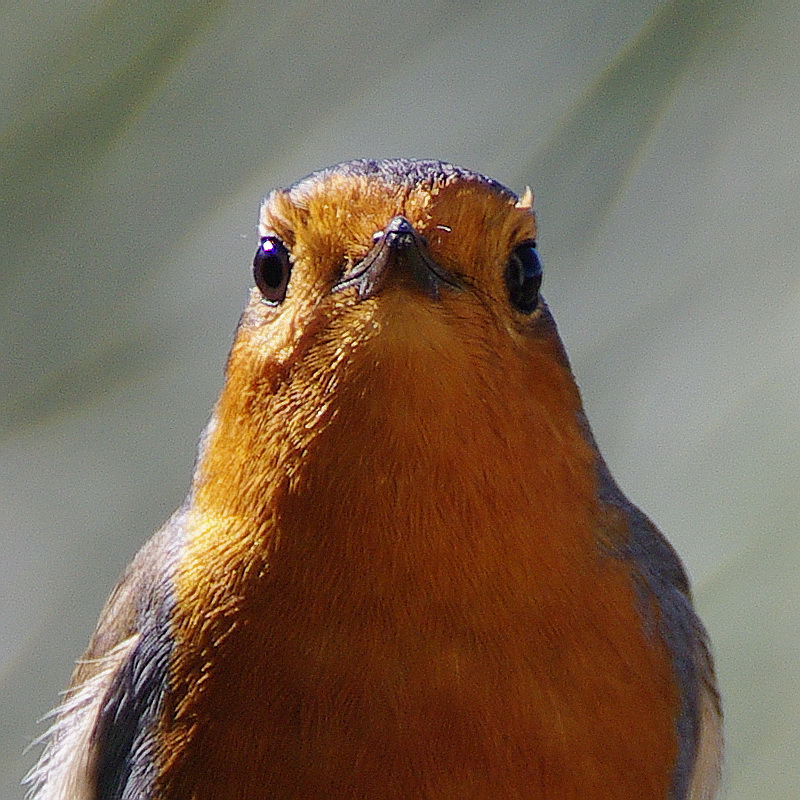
662,143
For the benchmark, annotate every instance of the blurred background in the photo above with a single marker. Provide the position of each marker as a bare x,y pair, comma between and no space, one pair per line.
662,142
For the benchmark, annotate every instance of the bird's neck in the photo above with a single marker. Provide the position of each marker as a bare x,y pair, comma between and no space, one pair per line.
410,462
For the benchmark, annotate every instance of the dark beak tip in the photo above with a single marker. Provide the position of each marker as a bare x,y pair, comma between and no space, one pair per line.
400,244
399,234
399,224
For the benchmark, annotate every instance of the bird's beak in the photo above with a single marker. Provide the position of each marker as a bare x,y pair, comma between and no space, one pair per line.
398,247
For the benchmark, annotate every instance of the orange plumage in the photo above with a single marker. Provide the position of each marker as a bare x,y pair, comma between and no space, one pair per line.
402,570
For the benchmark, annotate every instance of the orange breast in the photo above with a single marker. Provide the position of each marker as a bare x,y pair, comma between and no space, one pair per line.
415,606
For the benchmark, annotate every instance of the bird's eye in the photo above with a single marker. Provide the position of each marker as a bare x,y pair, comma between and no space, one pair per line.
524,277
271,269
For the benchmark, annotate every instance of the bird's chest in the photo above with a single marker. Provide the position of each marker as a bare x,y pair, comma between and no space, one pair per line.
390,680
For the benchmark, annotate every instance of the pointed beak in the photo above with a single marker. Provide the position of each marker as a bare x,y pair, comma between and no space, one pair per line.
398,249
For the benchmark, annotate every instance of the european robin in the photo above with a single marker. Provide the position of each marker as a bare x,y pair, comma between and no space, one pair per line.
403,569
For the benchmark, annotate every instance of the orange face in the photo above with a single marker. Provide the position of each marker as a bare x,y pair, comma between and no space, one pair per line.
329,228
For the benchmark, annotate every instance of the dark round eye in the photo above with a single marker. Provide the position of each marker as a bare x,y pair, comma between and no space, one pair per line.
271,269
524,277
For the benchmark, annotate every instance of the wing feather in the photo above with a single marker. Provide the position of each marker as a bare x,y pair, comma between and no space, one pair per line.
98,748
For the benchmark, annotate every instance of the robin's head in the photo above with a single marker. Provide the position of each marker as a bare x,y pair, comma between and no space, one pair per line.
393,247
427,225
393,296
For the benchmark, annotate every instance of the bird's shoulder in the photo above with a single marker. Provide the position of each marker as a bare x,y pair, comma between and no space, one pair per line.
665,603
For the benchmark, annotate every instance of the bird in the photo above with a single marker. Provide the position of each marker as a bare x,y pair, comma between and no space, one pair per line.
403,568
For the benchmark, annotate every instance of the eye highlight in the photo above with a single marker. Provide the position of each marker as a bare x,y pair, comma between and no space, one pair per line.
271,270
524,277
